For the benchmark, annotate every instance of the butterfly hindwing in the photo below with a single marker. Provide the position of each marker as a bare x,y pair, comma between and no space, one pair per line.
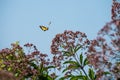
44,28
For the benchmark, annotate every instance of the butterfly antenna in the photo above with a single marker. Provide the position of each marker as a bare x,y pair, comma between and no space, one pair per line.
49,23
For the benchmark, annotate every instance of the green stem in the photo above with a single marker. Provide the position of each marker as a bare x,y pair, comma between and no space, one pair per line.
85,73
81,67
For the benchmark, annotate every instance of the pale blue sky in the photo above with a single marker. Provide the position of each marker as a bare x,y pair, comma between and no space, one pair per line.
19,19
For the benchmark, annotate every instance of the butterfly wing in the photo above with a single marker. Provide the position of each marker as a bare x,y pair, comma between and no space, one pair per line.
43,28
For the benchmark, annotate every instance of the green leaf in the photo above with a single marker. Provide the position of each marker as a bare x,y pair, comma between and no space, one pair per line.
71,49
85,78
91,74
34,65
2,66
77,48
64,78
49,78
76,77
45,77
85,62
80,77
70,62
50,67
106,73
65,70
66,53
41,68
75,65
81,59
1,61
46,68
17,42
16,74
9,69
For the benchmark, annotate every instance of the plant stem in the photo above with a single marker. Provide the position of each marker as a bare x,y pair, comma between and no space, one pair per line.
85,73
81,67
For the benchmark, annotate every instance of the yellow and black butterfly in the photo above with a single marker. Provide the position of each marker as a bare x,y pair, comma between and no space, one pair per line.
44,28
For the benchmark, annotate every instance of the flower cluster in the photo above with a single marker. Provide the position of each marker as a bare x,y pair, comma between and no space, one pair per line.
23,65
115,10
66,41
65,47
103,52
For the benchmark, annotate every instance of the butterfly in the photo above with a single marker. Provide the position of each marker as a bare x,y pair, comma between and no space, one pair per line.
44,28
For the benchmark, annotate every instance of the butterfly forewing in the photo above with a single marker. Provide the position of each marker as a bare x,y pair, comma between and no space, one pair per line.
44,28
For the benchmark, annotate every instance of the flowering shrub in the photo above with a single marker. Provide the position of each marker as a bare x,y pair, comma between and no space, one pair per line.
104,51
33,65
68,49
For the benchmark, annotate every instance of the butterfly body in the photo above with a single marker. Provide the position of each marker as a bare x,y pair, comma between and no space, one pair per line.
44,28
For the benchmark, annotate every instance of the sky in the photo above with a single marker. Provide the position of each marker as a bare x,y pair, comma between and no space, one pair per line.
20,20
